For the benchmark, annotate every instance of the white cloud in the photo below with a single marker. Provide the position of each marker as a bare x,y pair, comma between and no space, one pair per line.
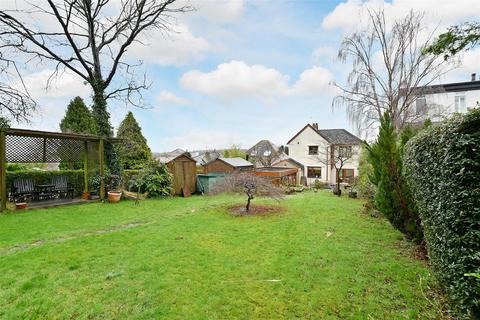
238,80
221,10
193,140
235,80
65,85
313,81
323,54
175,48
348,15
170,97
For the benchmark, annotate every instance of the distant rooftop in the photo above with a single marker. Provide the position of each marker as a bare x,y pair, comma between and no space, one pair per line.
237,162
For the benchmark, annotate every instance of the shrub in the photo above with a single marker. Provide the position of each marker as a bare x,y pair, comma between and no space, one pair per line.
365,187
392,196
155,179
74,177
442,165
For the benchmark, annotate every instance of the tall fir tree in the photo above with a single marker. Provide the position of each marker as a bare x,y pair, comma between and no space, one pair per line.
392,196
133,151
78,118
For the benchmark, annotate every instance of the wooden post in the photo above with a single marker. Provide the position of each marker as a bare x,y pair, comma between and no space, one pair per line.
85,166
101,155
44,150
3,175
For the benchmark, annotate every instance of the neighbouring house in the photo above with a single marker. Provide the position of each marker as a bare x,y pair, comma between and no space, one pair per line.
286,162
437,101
183,169
204,156
227,165
278,175
314,149
264,153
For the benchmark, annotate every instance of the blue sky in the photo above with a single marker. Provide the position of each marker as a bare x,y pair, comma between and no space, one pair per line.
240,71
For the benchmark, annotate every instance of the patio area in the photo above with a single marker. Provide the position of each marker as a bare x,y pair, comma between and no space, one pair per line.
49,188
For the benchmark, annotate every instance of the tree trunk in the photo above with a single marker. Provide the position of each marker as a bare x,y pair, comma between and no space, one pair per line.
102,118
337,182
247,208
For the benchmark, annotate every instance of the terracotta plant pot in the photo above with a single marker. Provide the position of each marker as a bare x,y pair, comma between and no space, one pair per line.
86,195
114,196
21,205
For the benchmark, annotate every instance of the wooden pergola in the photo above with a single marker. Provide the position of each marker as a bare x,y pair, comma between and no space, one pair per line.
31,146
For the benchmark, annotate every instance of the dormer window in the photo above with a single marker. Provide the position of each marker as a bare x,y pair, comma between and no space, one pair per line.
312,150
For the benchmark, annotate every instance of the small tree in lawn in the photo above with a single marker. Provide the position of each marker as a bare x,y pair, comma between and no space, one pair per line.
337,156
133,150
248,184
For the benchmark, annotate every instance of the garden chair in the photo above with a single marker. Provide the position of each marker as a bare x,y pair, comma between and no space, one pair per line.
62,187
23,189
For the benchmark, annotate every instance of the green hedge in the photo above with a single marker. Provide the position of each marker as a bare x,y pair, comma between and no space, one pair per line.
74,177
442,164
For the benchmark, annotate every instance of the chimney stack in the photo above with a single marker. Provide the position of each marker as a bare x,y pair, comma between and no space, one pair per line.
315,126
474,76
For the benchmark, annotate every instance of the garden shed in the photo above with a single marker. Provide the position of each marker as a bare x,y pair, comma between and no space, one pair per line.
278,175
227,165
184,171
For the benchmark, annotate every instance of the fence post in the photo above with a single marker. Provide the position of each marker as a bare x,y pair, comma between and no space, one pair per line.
85,167
3,175
101,155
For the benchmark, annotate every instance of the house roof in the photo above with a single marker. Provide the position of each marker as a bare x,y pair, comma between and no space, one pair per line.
166,158
449,87
234,162
284,157
332,136
261,147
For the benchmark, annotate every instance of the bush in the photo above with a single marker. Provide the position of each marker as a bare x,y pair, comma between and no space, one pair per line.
442,165
365,187
74,177
392,196
155,179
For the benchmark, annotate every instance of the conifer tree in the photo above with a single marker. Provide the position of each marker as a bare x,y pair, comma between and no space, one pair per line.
133,151
392,196
78,118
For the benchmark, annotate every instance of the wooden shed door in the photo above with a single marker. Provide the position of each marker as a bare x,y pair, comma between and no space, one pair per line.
185,174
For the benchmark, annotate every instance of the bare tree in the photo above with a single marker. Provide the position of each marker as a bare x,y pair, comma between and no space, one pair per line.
249,184
388,70
15,100
337,156
90,40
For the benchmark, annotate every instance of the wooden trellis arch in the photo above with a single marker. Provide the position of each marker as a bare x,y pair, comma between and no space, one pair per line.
30,146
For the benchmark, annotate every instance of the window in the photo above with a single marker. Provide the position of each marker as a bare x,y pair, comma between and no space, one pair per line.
314,172
312,150
346,175
460,104
421,105
345,152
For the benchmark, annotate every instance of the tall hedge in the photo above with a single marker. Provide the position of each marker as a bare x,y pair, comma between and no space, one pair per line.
442,164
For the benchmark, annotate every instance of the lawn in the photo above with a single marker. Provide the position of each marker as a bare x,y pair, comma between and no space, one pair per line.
189,259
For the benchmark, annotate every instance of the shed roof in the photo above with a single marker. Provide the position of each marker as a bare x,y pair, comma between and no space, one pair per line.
236,162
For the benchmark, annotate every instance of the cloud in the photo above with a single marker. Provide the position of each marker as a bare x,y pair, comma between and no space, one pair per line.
323,54
175,48
170,97
238,80
221,10
192,140
65,85
348,15
313,81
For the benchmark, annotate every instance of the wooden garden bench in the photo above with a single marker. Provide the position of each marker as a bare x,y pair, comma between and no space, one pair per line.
62,187
23,189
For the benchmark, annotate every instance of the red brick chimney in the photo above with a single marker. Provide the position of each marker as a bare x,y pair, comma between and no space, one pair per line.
315,126
474,76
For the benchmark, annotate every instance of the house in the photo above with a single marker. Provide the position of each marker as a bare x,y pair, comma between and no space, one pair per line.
436,101
263,154
287,162
183,169
227,165
315,150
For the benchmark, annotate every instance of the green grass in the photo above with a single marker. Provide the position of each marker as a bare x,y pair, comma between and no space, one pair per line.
188,259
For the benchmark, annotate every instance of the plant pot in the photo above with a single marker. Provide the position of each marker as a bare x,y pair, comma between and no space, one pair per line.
114,196
86,195
352,194
21,205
